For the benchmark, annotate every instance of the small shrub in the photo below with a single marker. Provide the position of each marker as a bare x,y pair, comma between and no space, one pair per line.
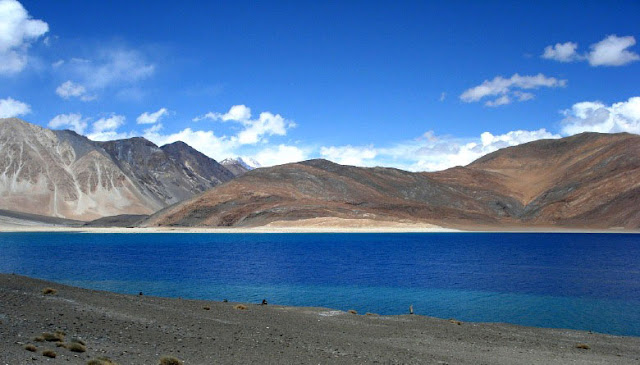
39,339
583,346
241,307
49,353
455,321
53,337
101,361
49,291
169,360
206,308
370,314
76,347
352,311
31,348
61,344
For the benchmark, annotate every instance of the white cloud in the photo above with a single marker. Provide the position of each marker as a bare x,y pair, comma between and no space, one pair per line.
280,155
240,113
503,100
505,87
593,116
433,153
349,155
204,141
17,32
150,118
70,89
10,108
562,52
612,51
267,124
71,121
443,95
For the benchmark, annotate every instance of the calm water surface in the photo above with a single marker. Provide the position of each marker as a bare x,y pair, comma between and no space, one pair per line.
579,281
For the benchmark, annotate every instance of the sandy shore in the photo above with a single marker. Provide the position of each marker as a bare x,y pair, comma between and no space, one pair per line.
140,329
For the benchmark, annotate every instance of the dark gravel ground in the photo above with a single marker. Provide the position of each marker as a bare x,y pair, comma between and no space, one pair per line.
141,329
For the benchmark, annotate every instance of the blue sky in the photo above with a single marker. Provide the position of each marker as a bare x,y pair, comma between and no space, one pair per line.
415,85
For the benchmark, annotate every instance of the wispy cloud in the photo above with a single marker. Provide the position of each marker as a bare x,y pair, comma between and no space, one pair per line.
118,68
151,118
17,31
506,87
69,89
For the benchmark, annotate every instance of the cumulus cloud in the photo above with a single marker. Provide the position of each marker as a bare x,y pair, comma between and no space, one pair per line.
281,154
611,51
504,87
70,89
10,108
250,140
71,121
562,52
594,116
255,130
207,142
434,153
349,155
150,118
17,31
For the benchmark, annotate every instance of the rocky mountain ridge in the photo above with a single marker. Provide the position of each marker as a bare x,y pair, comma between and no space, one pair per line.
62,174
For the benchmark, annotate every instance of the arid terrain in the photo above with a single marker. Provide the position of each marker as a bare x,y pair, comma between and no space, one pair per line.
137,329
589,180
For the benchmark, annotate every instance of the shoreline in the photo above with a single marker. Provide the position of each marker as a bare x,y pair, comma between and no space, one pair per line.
133,329
298,229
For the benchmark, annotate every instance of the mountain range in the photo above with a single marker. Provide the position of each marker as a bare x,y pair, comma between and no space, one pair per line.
589,180
63,174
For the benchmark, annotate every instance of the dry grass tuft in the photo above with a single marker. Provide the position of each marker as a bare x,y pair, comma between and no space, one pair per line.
76,347
583,346
169,360
241,307
61,344
101,361
49,353
53,337
39,339
31,348
352,311
49,291
455,321
207,308
371,314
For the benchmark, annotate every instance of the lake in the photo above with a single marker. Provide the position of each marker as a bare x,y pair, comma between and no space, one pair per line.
578,281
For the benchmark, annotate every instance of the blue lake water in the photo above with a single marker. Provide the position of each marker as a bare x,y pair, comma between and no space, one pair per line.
579,281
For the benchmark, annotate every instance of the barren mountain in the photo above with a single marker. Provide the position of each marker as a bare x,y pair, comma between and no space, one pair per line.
588,180
237,166
63,174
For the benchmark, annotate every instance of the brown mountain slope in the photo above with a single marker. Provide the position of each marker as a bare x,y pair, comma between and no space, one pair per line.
588,180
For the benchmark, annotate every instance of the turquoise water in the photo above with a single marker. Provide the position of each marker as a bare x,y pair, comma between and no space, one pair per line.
578,281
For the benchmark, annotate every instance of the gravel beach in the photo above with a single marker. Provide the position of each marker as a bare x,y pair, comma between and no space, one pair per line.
138,329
